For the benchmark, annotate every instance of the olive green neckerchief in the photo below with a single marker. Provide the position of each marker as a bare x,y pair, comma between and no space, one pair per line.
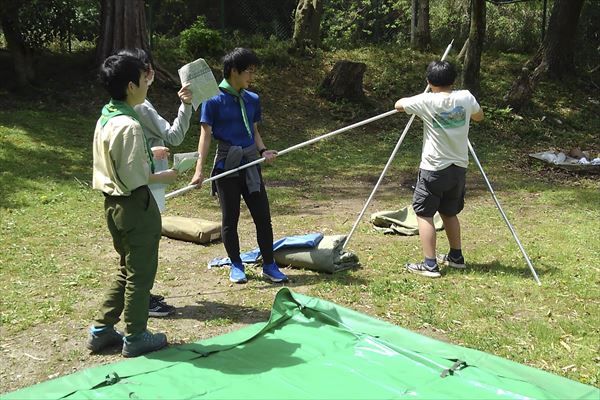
229,89
118,107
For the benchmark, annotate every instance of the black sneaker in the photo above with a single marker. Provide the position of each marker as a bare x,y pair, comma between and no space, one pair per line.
159,309
156,297
424,270
143,343
445,259
100,340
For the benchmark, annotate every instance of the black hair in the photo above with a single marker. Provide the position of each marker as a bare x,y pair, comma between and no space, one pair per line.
138,53
441,73
240,59
117,71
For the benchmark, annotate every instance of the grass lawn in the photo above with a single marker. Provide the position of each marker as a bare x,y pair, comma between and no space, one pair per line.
56,255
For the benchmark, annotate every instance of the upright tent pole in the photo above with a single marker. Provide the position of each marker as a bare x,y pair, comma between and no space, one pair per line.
510,227
389,162
282,152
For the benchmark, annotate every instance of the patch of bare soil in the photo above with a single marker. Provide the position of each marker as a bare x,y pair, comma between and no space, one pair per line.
207,303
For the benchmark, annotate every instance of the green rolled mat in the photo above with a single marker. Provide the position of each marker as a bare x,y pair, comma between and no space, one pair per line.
327,256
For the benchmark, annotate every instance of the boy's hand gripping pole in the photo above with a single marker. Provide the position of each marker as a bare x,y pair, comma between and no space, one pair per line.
279,153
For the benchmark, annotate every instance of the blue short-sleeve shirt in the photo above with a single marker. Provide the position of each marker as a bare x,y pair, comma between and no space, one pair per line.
223,113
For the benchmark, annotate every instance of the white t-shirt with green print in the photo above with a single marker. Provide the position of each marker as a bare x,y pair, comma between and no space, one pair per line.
446,118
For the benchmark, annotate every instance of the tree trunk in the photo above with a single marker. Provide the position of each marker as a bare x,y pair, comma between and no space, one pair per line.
470,74
22,55
123,26
555,57
420,32
307,25
413,22
344,81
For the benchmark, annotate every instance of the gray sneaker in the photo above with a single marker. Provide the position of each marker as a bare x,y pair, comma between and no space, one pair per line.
422,269
142,343
445,259
101,340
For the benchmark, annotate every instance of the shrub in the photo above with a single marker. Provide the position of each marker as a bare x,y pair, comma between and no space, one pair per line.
275,52
199,40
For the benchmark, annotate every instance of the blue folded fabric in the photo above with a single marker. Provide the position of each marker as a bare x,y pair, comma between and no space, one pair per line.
309,240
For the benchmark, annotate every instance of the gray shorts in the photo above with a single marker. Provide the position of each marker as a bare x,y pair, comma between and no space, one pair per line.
442,191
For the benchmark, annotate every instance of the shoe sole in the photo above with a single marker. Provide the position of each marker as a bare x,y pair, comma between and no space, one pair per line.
455,265
274,280
428,274
445,261
245,280
160,313
98,349
130,355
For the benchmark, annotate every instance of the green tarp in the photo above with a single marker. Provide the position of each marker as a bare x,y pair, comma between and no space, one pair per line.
403,221
311,348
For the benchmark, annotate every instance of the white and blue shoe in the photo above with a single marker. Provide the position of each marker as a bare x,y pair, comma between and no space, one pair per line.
273,274
237,274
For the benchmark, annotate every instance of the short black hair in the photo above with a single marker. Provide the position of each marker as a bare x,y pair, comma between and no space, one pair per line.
240,59
138,53
441,73
117,71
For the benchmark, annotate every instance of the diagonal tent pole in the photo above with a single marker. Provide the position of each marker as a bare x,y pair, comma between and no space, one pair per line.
510,227
280,153
389,162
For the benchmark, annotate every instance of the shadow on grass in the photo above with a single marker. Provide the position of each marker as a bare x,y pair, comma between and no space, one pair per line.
207,311
38,147
496,267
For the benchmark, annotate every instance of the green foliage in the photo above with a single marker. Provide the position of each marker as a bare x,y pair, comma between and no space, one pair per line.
275,52
43,21
54,23
514,27
347,23
169,51
85,25
199,40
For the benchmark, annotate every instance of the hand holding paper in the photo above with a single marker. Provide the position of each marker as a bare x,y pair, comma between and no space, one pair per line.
199,79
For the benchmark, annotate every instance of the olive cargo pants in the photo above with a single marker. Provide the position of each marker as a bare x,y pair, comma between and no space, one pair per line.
135,225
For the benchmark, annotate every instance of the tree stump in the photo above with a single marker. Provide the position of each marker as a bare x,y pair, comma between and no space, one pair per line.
344,81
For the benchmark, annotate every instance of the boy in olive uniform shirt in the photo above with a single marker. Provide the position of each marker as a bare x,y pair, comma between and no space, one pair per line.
123,168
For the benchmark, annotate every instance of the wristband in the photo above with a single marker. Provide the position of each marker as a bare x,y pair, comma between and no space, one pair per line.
261,151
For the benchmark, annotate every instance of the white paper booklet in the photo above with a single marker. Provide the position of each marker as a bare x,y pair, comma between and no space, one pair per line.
201,81
184,161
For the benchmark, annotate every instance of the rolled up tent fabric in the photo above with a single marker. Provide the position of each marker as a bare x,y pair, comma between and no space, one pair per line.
327,256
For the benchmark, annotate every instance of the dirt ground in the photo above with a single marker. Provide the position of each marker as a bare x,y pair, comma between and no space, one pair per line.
207,303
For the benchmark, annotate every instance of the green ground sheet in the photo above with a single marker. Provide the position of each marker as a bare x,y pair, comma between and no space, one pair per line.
311,348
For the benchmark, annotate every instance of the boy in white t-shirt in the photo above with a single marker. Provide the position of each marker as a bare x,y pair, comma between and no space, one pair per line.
441,182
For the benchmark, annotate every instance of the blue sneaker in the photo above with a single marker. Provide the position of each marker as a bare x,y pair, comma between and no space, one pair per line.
102,338
236,273
272,273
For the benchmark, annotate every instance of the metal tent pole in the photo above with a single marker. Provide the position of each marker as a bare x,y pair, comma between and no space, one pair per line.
282,152
510,227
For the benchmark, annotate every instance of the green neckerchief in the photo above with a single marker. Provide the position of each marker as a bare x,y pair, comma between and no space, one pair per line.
229,89
118,107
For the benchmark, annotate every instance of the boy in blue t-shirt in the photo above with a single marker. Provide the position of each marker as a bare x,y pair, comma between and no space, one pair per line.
441,182
231,117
